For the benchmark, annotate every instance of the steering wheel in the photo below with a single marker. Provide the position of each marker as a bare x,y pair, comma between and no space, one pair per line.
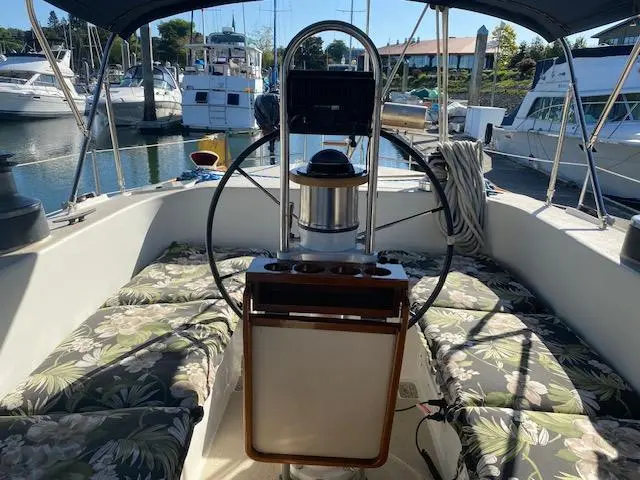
398,142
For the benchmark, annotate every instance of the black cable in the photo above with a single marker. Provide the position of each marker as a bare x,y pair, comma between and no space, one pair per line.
212,211
402,145
435,474
446,210
409,408
440,403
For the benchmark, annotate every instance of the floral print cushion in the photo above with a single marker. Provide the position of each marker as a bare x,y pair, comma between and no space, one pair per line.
130,356
182,274
473,283
532,362
499,443
136,443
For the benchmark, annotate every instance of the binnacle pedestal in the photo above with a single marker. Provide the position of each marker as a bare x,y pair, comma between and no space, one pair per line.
323,344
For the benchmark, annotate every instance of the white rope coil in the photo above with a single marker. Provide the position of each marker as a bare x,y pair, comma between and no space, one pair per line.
461,167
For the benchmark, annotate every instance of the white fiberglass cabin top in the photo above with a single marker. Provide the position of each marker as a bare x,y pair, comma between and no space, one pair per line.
220,88
29,89
533,131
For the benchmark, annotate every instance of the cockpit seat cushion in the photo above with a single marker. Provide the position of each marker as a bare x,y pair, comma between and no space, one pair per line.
531,362
501,443
130,356
474,283
136,443
182,274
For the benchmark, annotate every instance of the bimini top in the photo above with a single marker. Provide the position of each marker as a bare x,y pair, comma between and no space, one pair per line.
551,19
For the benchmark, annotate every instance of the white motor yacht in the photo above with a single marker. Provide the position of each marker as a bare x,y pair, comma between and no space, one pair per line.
532,134
29,89
325,320
128,97
221,87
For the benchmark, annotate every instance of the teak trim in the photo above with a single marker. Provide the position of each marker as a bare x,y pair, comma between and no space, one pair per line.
399,329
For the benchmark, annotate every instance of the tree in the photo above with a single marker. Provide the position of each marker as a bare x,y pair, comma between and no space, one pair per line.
53,20
519,56
337,50
580,42
504,37
554,50
526,66
174,35
310,55
262,38
536,49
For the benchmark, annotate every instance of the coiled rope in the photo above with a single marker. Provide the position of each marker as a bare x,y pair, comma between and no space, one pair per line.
459,168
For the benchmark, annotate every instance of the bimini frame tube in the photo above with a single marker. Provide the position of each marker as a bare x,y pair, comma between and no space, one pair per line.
553,178
37,30
85,129
400,60
92,115
577,100
607,109
444,126
372,161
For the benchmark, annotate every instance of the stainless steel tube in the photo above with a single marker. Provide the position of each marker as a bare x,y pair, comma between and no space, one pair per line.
37,30
372,163
96,174
607,109
614,95
114,135
439,74
92,115
387,87
445,73
556,159
597,193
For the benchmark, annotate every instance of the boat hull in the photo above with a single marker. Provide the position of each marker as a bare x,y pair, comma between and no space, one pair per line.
19,105
613,159
132,113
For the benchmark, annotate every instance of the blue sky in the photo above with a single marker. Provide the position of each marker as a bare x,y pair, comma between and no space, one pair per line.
390,20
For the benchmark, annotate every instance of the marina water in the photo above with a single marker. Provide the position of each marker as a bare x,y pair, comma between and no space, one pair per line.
146,159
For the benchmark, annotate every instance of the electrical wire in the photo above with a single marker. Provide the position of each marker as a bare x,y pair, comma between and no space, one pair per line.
411,407
435,474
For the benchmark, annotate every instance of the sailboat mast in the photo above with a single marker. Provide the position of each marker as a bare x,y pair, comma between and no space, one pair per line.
350,37
275,47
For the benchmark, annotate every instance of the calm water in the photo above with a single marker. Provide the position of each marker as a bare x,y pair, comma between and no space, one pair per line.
51,181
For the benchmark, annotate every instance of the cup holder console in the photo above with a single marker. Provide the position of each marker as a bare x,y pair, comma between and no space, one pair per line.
314,268
277,267
346,270
339,288
377,271
308,268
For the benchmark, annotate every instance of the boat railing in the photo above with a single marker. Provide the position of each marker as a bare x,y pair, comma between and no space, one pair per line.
572,164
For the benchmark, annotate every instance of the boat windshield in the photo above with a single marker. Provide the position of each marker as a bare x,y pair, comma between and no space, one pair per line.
15,76
625,108
161,79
